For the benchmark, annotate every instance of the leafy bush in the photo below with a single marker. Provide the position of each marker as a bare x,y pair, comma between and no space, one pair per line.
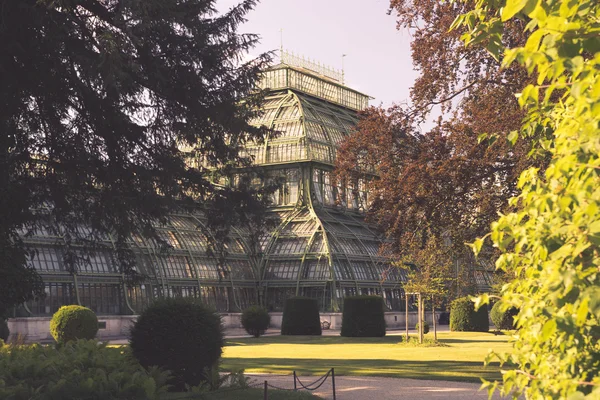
72,323
255,320
301,317
463,316
4,331
82,369
363,316
425,327
503,318
181,335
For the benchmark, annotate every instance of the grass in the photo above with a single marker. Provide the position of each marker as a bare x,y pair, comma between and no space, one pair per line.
459,358
245,394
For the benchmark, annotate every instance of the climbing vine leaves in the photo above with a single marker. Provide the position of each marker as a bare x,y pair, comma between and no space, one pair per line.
551,245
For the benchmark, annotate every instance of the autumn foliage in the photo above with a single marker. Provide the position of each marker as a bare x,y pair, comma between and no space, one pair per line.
449,183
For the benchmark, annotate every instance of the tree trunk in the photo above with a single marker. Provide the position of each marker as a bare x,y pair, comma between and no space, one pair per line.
406,316
434,322
420,318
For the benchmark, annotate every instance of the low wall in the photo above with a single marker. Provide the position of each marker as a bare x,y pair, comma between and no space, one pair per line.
37,329
393,320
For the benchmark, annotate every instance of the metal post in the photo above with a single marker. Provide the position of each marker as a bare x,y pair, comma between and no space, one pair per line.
295,388
333,381
266,393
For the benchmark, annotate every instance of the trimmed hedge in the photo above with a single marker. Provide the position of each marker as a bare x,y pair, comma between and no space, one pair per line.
425,327
255,320
363,316
72,323
463,316
180,335
301,317
503,319
4,331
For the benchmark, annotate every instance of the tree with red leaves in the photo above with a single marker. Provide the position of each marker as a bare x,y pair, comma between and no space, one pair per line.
447,185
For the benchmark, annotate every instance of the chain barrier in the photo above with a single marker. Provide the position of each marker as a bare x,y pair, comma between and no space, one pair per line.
322,379
310,386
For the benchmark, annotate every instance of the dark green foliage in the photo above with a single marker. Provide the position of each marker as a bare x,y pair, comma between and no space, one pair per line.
425,327
363,316
301,317
503,319
4,331
99,97
255,320
72,323
84,369
463,316
180,335
444,318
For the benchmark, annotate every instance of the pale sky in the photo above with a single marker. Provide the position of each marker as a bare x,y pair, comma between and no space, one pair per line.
378,59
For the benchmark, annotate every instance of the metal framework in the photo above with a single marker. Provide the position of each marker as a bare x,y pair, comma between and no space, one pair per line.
322,248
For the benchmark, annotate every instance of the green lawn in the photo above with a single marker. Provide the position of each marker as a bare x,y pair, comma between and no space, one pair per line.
459,359
246,394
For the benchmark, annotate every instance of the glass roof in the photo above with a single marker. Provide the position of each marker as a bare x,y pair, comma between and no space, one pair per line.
325,245
307,129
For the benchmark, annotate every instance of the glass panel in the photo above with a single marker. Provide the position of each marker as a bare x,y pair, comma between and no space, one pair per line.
177,267
98,262
101,298
290,246
276,297
277,270
316,270
46,259
57,295
140,296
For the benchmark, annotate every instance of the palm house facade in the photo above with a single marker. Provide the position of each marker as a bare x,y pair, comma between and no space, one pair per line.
322,247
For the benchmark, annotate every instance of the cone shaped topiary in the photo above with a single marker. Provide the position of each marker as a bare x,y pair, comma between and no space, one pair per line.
4,332
301,317
363,316
503,319
463,316
72,323
181,335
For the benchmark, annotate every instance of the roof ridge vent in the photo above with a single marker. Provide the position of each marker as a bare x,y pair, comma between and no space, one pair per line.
289,58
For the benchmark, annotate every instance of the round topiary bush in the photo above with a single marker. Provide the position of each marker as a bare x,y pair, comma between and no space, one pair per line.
4,331
301,317
180,335
425,327
255,320
463,316
503,319
363,316
72,323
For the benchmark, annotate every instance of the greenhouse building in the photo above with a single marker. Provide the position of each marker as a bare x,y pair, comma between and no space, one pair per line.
322,247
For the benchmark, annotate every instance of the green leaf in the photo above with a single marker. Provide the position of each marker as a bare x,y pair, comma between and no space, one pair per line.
512,7
548,329
476,245
512,137
582,312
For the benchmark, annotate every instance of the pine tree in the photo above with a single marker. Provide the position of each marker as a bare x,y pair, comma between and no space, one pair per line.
97,100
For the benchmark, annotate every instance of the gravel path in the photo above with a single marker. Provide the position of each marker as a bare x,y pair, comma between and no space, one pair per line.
376,388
